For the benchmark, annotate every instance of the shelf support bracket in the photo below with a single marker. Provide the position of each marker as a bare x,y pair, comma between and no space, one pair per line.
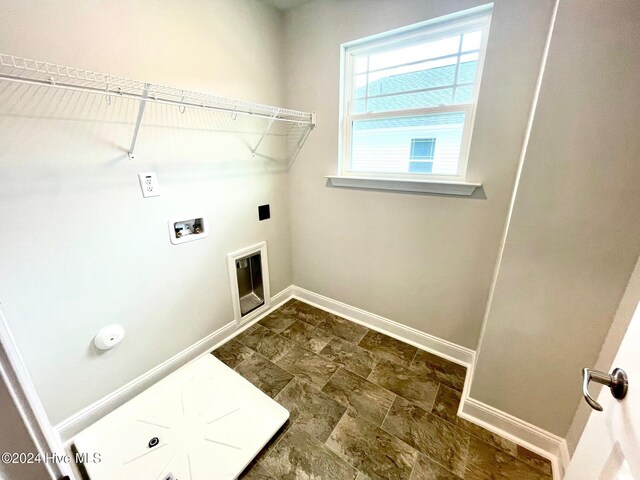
303,138
300,143
143,104
271,120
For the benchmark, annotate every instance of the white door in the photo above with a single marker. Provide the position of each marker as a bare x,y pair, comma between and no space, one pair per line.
609,448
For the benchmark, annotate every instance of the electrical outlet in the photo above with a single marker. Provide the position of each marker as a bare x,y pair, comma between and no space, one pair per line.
149,184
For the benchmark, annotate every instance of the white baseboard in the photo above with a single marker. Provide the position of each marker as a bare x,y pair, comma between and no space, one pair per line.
522,433
424,341
68,428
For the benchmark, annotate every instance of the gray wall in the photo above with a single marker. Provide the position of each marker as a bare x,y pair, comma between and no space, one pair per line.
424,261
80,247
574,235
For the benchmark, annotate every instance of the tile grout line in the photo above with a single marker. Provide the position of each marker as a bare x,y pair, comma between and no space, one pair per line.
371,372
278,440
413,358
308,351
299,344
336,453
284,386
327,382
371,382
295,344
444,467
269,361
430,411
413,467
259,462
420,452
393,434
234,368
470,434
466,458
434,400
387,414
263,356
340,365
364,418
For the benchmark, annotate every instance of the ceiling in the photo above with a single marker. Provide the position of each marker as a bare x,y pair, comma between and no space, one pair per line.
285,4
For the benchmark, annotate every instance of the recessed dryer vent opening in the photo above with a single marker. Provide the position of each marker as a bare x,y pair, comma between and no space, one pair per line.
249,276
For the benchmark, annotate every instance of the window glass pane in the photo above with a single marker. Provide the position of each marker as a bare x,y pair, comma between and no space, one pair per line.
422,148
390,74
415,53
385,145
396,80
360,86
467,72
464,94
471,41
431,98
420,167
413,67
468,68
360,106
360,64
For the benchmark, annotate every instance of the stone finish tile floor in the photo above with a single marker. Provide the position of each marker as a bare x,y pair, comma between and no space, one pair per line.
364,406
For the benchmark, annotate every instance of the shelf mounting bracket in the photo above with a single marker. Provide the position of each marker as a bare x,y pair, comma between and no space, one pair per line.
271,120
300,142
143,104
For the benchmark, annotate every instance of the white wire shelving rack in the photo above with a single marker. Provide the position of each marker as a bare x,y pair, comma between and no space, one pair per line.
35,72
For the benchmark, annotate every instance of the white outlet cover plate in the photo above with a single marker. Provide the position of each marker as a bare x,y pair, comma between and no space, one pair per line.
149,184
208,419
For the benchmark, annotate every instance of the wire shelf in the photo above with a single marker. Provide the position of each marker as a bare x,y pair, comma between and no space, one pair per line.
43,73
273,121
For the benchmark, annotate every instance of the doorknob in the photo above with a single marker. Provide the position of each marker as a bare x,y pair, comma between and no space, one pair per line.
617,382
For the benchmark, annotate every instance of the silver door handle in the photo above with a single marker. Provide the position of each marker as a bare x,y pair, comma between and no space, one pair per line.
617,382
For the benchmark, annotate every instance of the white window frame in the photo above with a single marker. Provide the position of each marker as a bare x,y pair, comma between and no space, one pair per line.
430,30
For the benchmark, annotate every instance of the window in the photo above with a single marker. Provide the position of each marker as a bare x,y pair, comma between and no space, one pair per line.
409,99
421,156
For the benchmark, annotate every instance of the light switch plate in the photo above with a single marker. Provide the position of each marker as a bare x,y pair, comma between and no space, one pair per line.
149,184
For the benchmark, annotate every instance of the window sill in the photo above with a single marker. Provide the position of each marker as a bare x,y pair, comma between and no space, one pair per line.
442,187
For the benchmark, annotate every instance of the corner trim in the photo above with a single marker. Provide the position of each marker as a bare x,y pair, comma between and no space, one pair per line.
77,422
534,438
424,341
443,187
